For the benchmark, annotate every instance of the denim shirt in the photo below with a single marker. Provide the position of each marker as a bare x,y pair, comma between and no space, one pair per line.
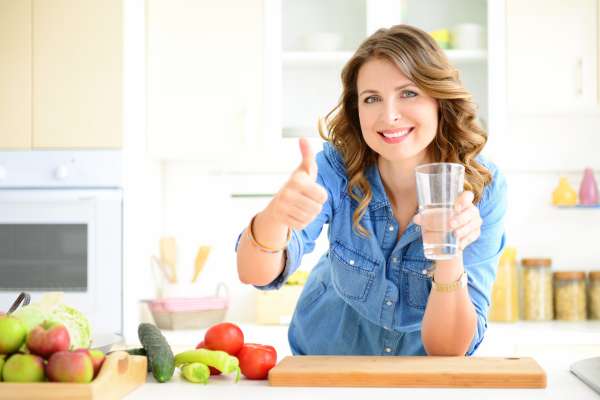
367,295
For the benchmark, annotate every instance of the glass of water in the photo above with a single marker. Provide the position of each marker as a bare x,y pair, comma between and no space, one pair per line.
438,186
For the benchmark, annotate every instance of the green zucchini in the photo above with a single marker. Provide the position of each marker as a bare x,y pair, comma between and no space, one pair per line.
159,353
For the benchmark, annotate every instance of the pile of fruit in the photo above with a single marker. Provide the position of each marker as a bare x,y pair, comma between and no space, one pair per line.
44,352
222,351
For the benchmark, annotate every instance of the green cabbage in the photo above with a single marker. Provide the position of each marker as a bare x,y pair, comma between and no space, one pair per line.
52,309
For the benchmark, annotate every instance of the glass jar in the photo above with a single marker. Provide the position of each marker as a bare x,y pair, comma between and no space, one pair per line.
537,289
505,295
594,294
569,295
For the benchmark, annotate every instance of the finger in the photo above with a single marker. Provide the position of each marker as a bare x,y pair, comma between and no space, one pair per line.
417,219
465,217
307,209
309,188
308,164
466,231
472,237
464,200
296,223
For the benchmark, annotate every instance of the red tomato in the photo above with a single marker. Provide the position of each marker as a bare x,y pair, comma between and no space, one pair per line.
256,360
225,336
213,370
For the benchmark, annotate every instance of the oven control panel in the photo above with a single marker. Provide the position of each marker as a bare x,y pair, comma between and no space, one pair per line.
60,169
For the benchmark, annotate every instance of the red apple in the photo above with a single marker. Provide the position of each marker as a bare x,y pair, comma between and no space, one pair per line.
213,370
48,338
70,366
97,357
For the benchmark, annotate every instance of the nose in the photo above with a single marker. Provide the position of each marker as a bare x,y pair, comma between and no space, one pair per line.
392,112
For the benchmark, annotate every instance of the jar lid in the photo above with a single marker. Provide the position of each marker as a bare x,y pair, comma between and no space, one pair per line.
536,262
569,275
594,275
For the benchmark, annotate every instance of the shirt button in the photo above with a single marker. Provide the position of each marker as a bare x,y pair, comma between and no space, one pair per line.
388,303
391,228
351,262
387,328
387,350
417,228
395,259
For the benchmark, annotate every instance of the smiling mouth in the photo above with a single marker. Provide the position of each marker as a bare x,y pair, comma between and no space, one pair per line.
396,133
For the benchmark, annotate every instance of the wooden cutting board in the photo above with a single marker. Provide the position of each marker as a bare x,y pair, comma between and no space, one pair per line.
119,375
402,371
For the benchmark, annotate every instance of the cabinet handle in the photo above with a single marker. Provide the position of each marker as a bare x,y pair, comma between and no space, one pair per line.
579,77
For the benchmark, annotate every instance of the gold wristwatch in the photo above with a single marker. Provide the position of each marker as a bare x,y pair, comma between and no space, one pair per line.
461,282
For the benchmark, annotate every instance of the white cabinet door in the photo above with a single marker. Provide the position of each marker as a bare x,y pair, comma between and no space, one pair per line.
204,77
552,56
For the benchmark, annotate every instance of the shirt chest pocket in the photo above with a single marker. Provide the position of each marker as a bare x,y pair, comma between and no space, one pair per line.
352,273
416,282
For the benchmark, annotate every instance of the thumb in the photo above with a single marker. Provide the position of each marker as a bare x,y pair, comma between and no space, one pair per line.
308,164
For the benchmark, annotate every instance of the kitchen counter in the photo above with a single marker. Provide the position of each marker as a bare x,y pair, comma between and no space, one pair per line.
555,345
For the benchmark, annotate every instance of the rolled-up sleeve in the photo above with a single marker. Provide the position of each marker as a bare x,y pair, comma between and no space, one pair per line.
303,241
481,257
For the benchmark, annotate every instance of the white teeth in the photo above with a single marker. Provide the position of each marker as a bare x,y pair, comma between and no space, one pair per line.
401,133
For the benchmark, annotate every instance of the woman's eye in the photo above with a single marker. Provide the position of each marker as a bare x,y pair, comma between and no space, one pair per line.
409,93
371,99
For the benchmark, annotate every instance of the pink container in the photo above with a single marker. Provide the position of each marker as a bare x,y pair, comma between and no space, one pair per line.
588,190
189,312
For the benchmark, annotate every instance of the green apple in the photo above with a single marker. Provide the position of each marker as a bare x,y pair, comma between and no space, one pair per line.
24,368
2,356
12,334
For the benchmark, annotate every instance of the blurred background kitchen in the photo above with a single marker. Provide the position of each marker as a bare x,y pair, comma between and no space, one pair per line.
139,137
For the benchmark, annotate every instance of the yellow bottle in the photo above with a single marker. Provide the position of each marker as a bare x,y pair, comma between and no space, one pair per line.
505,294
564,194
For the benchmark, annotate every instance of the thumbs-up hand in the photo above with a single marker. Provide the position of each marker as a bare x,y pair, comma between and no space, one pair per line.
301,198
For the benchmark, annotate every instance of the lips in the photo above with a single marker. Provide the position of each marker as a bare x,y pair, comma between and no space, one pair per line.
395,135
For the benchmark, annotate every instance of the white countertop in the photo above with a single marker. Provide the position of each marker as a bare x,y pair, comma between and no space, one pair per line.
555,346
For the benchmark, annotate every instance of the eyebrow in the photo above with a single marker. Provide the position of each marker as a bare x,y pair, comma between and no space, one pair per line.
397,88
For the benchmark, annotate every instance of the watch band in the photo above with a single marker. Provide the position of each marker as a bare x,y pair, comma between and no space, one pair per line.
461,282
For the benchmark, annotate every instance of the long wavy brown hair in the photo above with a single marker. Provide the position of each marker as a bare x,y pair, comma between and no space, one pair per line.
459,137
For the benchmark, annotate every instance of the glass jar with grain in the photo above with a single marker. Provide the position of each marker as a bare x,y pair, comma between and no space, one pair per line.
570,295
537,289
594,294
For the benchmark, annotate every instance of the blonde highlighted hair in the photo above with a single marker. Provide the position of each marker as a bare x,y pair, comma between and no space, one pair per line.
459,138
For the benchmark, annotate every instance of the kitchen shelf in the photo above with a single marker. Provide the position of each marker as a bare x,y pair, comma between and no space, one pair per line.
338,58
580,206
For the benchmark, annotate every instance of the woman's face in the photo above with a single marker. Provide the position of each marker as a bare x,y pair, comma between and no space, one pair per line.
397,119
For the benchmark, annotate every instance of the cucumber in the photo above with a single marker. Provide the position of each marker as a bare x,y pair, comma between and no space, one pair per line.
159,353
139,352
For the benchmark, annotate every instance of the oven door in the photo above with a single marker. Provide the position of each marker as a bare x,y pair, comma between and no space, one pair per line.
68,241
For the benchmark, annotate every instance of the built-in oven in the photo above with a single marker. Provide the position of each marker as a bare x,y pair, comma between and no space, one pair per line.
61,230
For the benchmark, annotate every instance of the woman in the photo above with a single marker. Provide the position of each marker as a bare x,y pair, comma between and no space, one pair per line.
374,292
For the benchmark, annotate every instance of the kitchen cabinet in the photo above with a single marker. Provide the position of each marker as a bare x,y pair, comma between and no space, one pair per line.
306,50
234,84
15,76
65,74
553,64
204,78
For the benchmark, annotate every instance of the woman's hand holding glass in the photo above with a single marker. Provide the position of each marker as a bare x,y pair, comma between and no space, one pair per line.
466,221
